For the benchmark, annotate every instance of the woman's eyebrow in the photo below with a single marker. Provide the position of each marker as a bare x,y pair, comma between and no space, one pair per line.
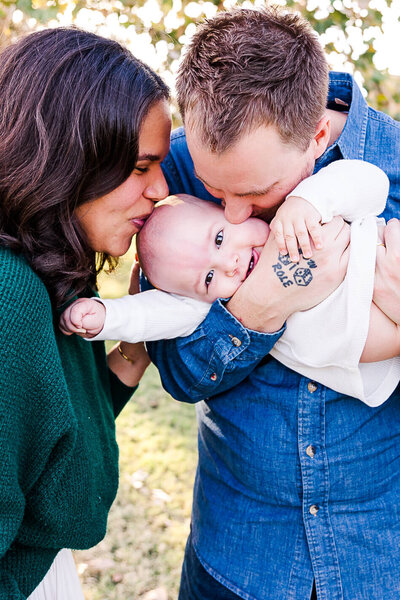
151,157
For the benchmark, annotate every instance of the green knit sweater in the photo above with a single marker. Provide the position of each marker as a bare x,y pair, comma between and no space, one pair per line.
58,454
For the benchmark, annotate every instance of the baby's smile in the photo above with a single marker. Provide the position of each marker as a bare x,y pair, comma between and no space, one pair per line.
253,261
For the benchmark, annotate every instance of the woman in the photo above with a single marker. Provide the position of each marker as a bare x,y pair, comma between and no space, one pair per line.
83,129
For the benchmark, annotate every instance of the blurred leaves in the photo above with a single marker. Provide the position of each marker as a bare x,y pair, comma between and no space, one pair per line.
156,31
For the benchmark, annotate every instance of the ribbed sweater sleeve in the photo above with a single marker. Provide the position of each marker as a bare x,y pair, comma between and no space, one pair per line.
30,362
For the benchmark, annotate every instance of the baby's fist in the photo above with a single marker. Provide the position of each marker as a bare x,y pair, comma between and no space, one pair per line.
85,317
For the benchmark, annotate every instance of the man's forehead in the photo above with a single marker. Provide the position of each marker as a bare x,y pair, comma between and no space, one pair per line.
256,163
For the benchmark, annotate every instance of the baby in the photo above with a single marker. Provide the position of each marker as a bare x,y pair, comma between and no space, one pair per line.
189,249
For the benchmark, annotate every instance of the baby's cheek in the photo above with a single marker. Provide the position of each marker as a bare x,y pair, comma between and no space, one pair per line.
229,287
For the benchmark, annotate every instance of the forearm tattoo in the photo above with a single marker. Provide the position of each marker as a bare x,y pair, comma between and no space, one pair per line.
289,272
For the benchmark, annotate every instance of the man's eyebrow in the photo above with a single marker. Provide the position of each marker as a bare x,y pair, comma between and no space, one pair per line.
257,192
243,194
151,157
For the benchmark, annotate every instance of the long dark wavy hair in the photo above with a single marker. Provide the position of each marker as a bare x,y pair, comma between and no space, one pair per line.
71,107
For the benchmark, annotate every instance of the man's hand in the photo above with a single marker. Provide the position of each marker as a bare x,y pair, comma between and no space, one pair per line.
295,222
387,272
277,287
85,317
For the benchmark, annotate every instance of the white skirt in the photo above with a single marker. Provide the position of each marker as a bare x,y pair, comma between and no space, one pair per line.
61,581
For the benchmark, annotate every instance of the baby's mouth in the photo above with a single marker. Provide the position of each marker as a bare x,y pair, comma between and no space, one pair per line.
251,264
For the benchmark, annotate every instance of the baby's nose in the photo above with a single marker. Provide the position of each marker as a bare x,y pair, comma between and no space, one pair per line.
233,266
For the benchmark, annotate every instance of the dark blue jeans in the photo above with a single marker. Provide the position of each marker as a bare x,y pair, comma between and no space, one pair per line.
197,584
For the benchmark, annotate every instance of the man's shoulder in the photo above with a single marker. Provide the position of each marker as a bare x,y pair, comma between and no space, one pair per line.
384,120
178,135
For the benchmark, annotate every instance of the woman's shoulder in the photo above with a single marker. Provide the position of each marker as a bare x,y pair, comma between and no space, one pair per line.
19,283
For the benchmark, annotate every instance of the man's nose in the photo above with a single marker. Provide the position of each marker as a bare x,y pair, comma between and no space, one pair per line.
237,210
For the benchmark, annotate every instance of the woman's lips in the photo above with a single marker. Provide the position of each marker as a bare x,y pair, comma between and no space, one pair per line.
139,222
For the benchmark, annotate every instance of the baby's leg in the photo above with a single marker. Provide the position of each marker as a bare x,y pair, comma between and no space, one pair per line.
383,340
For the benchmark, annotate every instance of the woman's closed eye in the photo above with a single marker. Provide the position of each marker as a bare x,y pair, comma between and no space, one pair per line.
219,238
142,169
209,277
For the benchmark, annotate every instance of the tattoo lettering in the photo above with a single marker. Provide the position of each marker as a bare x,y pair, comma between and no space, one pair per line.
289,273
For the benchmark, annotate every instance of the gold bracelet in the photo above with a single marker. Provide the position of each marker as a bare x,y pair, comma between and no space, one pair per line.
122,353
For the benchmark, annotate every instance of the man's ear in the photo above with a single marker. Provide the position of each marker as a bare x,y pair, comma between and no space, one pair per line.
321,138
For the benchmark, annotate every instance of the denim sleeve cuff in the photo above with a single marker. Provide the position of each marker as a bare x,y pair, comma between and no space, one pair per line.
231,339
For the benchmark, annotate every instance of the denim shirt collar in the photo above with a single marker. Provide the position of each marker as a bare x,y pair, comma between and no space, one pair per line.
345,95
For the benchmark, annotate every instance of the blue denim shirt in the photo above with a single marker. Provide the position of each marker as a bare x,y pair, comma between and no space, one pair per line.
294,481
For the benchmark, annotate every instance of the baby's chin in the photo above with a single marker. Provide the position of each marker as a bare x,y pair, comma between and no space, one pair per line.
188,293
213,297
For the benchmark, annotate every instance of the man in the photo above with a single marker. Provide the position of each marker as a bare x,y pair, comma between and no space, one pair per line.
296,485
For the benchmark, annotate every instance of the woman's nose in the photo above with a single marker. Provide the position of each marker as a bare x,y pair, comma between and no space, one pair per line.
157,189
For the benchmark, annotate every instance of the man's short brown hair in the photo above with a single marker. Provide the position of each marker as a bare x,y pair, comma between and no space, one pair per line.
246,68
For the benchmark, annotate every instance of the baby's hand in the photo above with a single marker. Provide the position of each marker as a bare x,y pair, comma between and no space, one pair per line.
295,221
85,317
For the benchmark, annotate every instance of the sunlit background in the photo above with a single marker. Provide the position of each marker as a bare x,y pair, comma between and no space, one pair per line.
360,37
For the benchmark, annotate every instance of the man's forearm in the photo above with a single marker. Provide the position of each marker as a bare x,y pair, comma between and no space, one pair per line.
216,357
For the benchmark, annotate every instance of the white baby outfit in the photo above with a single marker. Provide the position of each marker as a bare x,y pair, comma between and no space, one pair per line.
61,581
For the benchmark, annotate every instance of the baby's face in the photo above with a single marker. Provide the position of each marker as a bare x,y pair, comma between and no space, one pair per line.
206,257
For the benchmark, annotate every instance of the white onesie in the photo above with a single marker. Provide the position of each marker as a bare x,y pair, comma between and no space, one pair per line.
324,343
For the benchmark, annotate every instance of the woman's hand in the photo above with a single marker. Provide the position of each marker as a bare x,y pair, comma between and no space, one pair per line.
129,361
387,272
277,287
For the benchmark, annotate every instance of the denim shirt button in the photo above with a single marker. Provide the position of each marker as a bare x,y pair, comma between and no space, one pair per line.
235,341
213,377
314,509
310,451
311,387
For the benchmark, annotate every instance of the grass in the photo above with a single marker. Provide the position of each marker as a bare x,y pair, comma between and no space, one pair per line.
141,555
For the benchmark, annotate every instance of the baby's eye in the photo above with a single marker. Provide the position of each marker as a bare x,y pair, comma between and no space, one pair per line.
209,277
219,238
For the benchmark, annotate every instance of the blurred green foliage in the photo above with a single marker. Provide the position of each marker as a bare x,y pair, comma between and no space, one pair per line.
348,29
